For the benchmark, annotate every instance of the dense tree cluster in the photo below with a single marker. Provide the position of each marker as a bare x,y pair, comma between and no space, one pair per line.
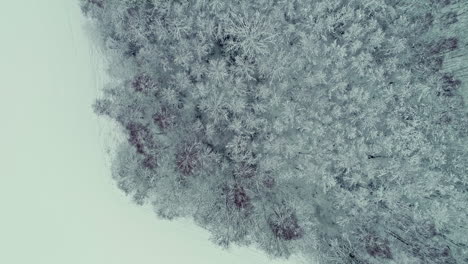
331,128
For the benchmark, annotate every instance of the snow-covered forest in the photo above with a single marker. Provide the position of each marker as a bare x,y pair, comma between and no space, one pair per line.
336,129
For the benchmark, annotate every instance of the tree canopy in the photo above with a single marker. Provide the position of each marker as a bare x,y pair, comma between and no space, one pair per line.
334,129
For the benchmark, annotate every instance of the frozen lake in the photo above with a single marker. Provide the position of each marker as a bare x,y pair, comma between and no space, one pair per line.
59,204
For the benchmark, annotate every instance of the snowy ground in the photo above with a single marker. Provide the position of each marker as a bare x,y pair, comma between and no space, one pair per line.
58,203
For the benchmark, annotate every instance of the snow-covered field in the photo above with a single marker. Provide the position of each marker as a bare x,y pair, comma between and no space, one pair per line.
58,203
